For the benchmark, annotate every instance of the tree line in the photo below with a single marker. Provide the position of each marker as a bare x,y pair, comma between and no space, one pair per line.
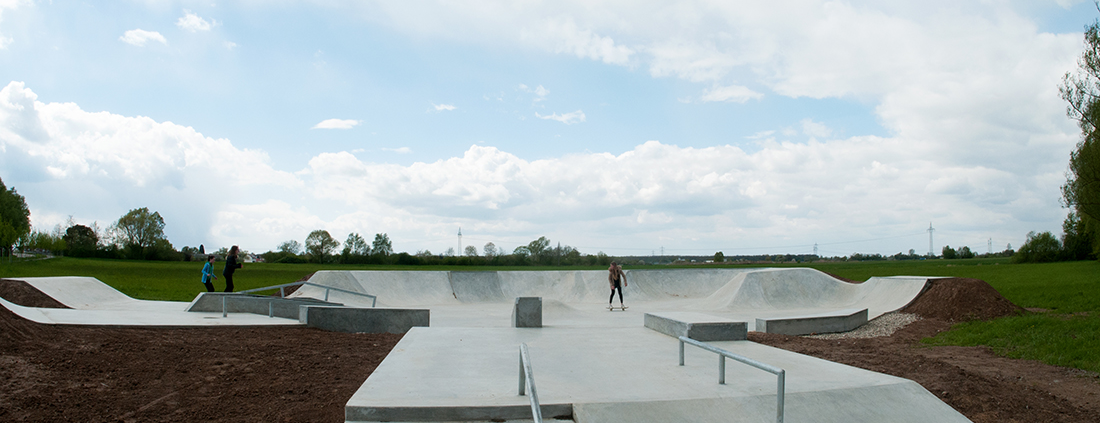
139,235
321,247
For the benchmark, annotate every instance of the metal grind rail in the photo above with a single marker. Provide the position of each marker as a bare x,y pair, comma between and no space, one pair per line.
722,354
282,294
527,382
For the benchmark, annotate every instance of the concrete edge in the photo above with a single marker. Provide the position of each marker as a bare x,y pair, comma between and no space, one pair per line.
363,320
699,329
455,413
806,325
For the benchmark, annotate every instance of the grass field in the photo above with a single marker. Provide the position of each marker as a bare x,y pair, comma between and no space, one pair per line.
1066,334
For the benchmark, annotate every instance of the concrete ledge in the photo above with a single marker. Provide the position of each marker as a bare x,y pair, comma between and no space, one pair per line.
455,414
699,327
527,312
286,308
362,320
839,321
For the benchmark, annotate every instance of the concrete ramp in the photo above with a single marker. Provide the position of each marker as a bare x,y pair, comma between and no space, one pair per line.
86,293
734,293
93,302
393,288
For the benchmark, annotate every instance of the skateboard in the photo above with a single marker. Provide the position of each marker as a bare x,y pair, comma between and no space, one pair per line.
612,308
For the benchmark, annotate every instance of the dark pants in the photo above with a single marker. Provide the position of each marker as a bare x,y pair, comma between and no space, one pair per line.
620,288
228,282
209,286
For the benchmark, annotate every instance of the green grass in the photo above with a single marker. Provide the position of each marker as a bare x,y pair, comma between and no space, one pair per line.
1068,334
1056,339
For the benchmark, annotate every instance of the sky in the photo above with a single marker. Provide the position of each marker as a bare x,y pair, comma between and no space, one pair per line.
629,128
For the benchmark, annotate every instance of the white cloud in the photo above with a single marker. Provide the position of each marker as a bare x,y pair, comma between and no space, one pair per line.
564,36
336,124
734,93
566,118
98,165
815,129
192,22
399,150
715,197
540,92
443,107
229,45
138,37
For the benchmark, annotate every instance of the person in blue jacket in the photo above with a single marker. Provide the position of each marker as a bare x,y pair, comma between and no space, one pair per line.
208,274
232,263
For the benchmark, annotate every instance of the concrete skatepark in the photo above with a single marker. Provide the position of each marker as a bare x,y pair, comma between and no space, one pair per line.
590,364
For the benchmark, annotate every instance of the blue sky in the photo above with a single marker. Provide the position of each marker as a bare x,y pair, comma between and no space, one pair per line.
608,126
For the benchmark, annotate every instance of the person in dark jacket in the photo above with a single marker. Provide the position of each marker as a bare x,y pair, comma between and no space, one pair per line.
232,263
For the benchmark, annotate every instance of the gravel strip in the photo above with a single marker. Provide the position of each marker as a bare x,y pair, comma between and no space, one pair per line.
884,325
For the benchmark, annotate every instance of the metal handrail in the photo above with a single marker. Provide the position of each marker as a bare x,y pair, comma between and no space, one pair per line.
527,380
722,354
282,293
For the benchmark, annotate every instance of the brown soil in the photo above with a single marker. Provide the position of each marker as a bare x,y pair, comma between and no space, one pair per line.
93,374
51,373
979,384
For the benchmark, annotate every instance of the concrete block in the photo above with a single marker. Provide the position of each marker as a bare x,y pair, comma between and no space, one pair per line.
286,308
527,312
839,321
700,327
363,320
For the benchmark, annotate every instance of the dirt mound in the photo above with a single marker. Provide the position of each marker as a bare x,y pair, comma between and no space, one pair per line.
24,294
962,299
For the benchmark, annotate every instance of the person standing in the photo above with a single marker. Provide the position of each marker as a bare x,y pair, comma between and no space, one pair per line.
617,279
232,263
208,274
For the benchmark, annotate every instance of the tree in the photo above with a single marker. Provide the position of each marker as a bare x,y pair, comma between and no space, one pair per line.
965,253
490,250
1078,239
356,245
719,257
381,245
1038,248
1082,91
15,214
320,244
289,247
81,241
948,252
538,249
139,230
471,251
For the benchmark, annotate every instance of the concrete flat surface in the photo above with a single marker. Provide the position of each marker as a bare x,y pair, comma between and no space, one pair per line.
628,374
605,365
93,302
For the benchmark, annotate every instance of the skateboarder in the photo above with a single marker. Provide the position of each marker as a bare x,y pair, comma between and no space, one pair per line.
617,279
